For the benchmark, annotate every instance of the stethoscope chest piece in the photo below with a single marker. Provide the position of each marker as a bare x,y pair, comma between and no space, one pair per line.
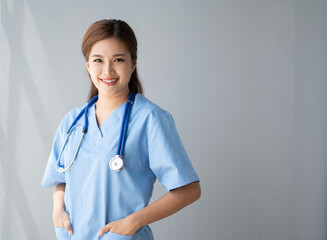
116,163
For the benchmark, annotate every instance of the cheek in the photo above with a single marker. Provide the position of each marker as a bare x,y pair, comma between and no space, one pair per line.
126,71
94,71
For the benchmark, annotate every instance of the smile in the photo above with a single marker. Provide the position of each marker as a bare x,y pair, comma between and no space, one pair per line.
110,81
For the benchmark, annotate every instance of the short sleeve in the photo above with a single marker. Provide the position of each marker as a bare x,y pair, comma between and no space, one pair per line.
51,176
167,156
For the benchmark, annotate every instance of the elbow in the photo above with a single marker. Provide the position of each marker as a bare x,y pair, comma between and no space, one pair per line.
197,191
188,193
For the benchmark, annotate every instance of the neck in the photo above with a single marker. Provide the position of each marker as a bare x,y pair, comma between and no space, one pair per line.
109,103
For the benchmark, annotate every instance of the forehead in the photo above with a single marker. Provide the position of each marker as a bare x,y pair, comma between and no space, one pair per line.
109,46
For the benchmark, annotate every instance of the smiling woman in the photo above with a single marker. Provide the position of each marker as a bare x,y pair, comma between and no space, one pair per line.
110,67
115,30
106,193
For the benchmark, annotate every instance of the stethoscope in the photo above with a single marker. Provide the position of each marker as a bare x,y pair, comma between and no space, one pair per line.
116,163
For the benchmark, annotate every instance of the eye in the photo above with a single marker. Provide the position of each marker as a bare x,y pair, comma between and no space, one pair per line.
119,60
97,60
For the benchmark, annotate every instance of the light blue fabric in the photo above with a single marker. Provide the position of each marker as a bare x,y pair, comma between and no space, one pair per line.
96,195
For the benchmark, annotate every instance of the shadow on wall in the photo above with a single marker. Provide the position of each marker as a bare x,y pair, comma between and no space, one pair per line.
20,80
2,183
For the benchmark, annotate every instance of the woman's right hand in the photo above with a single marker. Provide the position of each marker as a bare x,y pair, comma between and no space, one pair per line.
60,216
61,220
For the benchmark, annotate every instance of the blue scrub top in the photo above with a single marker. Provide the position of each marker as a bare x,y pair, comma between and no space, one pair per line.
96,195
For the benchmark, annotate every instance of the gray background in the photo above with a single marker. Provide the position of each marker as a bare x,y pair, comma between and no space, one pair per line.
245,81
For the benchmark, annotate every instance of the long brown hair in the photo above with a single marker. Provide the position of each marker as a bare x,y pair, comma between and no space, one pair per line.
120,30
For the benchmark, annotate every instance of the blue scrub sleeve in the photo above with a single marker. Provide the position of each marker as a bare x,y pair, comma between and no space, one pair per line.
51,176
167,156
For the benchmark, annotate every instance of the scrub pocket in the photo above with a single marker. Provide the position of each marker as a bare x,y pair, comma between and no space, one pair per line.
62,234
115,236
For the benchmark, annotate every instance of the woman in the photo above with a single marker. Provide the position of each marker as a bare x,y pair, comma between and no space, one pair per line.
97,196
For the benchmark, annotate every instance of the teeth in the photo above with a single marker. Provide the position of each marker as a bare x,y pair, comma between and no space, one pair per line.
109,81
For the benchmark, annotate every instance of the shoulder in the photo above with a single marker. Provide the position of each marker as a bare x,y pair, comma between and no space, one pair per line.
70,117
150,114
147,108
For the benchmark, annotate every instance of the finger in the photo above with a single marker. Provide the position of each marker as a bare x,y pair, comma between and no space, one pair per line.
103,230
68,227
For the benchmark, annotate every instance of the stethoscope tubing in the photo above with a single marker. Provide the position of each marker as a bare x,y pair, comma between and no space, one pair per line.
124,127
61,169
122,138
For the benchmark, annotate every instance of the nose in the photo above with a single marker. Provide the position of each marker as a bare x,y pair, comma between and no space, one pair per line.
109,68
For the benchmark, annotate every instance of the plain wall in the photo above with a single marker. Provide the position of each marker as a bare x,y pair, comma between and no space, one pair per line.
245,82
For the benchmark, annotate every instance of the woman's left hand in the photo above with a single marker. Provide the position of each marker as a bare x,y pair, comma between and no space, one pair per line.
122,226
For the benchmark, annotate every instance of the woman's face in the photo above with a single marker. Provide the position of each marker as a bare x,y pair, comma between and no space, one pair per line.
110,66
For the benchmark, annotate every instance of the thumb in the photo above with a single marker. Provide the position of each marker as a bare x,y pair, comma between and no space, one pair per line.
103,230
68,227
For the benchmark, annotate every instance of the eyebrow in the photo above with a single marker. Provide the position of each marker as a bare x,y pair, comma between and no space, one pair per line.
115,55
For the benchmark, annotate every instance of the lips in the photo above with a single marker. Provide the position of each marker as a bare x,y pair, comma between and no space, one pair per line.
109,81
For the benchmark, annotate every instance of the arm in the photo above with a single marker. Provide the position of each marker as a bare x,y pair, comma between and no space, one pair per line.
60,216
167,205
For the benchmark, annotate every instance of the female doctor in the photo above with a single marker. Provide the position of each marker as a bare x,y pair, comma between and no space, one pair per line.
107,154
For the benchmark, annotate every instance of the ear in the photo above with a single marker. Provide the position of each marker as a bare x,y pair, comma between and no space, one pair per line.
134,66
87,66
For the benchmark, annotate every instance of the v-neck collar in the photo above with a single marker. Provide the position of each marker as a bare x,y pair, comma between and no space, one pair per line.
114,118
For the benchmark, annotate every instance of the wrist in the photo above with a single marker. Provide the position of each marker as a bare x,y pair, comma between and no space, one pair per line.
58,208
134,221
